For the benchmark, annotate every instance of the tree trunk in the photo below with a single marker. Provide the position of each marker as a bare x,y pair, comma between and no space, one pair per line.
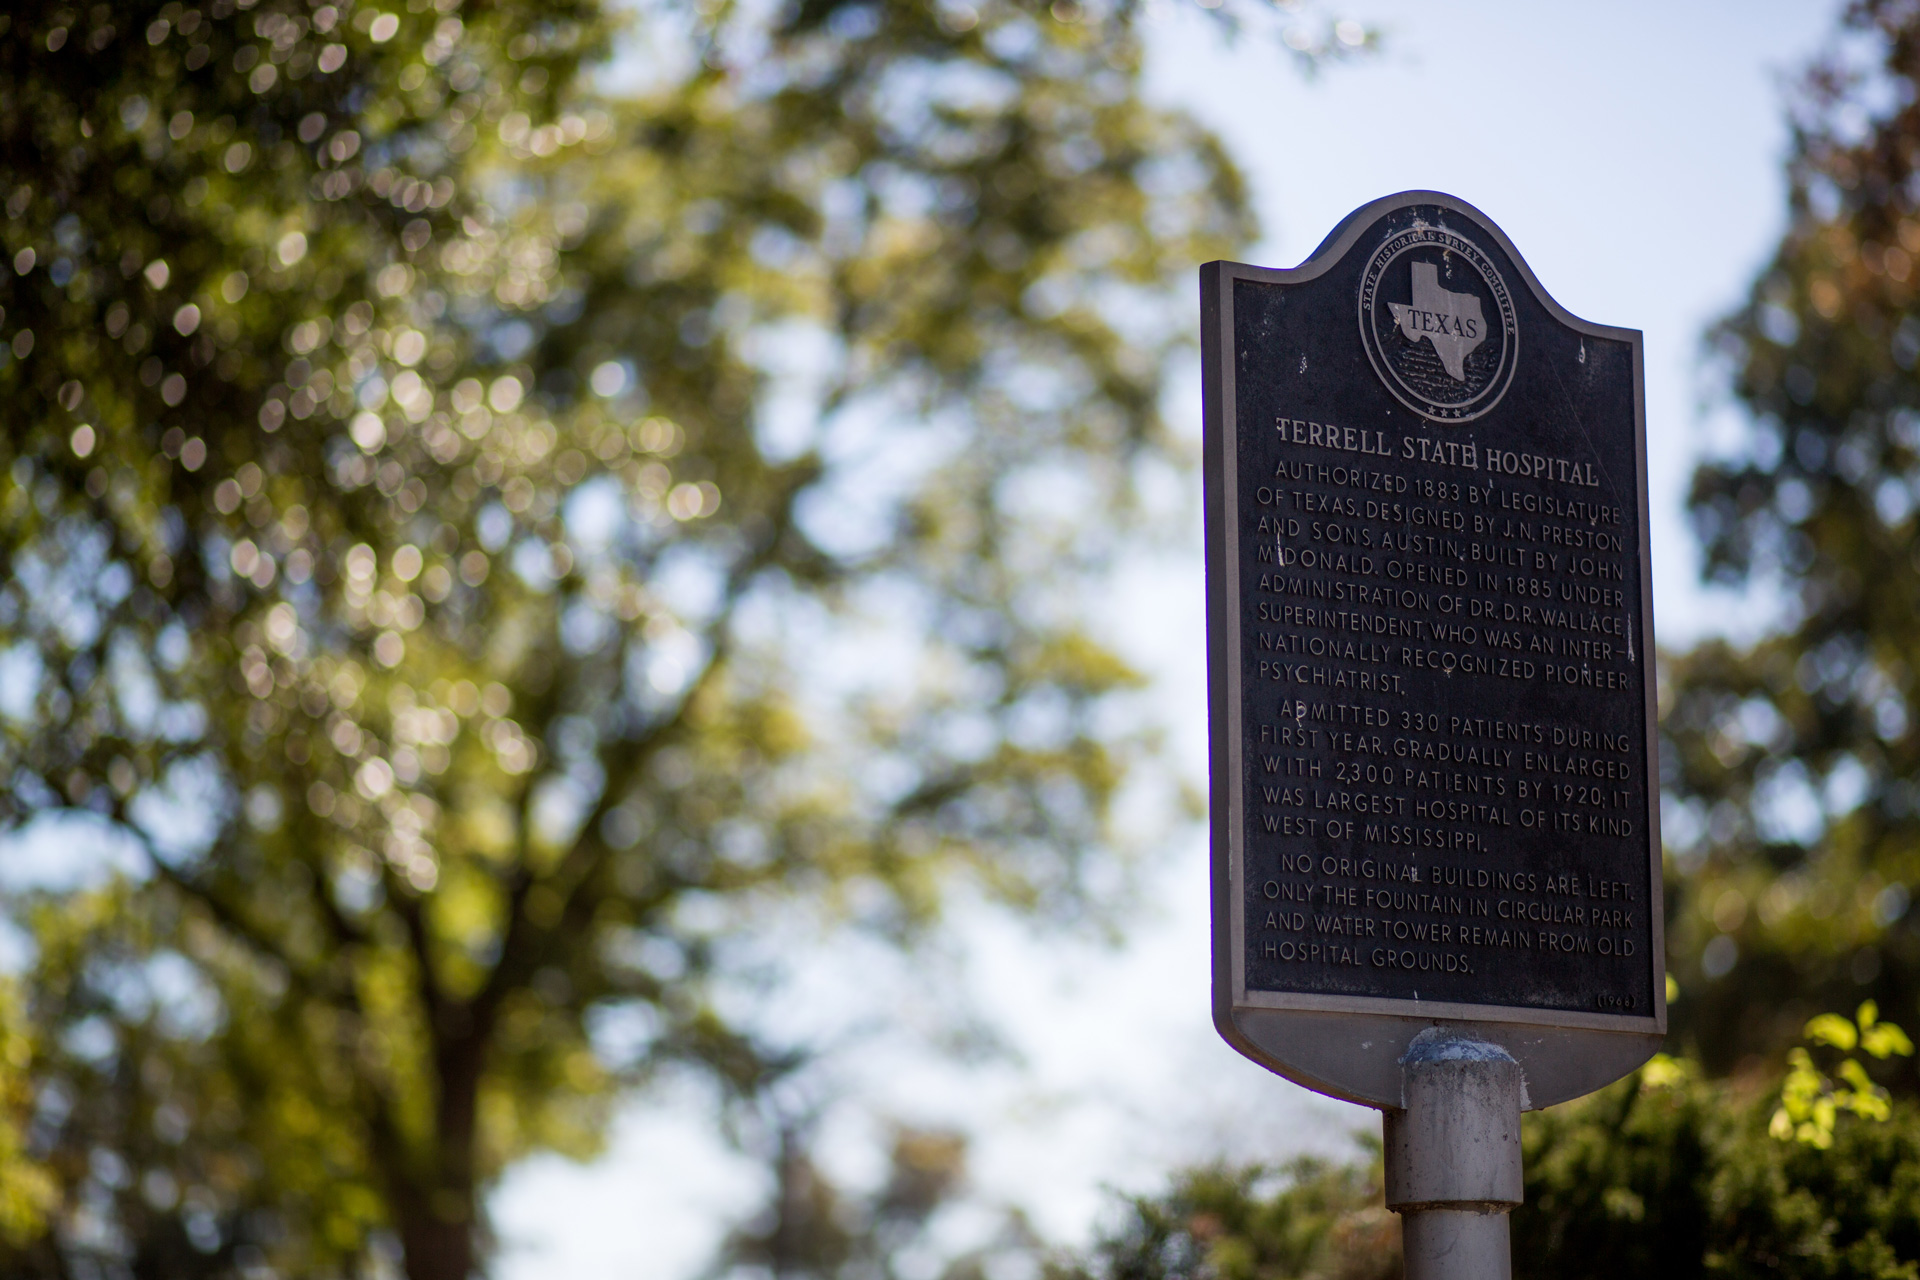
438,1245
438,1215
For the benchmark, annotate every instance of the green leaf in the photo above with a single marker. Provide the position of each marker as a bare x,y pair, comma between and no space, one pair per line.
1886,1040
1832,1029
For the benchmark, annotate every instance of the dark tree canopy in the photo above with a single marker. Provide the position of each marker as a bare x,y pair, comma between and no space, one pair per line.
1793,764
472,537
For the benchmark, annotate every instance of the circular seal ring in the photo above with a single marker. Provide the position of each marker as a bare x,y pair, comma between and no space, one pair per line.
1394,357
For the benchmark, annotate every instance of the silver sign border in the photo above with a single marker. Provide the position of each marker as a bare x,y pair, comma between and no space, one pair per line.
1350,1046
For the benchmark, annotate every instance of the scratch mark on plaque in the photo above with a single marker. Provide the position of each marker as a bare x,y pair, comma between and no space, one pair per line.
1303,362
1573,411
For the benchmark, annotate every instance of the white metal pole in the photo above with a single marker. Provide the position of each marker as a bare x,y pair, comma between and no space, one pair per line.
1453,1157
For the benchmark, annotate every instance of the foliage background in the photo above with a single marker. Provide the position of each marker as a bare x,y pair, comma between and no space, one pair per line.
1705,906
479,546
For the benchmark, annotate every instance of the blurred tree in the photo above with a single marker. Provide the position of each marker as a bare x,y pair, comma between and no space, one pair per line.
813,1229
473,539
28,1194
1667,1175
1312,1218
1793,764
1663,1175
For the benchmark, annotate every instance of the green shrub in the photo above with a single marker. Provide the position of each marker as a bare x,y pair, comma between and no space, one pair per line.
1660,1176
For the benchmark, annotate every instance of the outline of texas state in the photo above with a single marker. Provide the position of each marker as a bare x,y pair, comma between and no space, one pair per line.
1450,321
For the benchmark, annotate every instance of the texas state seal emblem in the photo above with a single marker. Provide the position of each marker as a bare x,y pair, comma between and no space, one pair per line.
1438,324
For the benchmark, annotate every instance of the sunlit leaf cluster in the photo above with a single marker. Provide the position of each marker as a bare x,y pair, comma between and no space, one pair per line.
1811,1101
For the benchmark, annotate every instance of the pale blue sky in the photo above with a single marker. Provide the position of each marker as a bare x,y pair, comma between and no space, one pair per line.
1632,152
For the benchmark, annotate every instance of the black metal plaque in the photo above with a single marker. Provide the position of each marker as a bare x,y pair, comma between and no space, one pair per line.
1430,641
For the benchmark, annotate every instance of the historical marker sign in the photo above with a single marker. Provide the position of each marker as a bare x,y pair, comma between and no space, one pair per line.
1430,638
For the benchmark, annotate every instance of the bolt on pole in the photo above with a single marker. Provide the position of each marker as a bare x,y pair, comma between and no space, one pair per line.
1453,1157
